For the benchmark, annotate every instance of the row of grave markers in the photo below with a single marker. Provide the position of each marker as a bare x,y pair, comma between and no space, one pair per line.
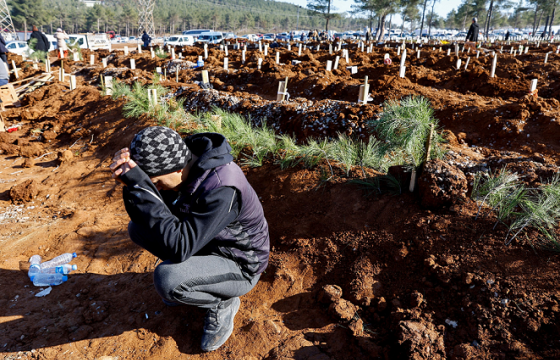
283,86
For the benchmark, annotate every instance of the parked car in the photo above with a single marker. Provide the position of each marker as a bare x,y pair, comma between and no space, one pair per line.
132,39
18,47
269,37
250,37
180,40
461,35
195,33
211,37
283,36
111,34
229,35
53,43
341,36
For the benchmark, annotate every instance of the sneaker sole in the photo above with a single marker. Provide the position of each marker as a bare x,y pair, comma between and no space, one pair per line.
237,305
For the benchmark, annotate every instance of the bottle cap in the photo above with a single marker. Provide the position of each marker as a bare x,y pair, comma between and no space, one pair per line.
35,266
74,255
74,267
64,278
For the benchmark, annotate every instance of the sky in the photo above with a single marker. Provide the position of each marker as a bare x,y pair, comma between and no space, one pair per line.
442,8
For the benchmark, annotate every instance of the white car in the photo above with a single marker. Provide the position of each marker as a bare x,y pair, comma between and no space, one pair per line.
18,47
53,43
211,37
251,37
180,40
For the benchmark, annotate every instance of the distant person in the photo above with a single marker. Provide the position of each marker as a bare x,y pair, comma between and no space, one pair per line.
3,49
146,39
507,35
42,43
302,37
61,38
472,35
292,36
368,35
4,74
191,206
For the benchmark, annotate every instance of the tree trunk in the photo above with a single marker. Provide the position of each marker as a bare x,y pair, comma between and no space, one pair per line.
465,18
535,20
328,16
545,25
390,23
430,21
489,18
24,29
551,20
539,21
381,31
423,15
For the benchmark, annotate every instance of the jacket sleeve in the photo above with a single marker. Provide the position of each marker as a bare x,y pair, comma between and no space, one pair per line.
46,41
178,239
470,33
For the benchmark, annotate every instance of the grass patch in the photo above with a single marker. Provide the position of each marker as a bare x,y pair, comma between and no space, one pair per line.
521,208
403,128
160,53
167,112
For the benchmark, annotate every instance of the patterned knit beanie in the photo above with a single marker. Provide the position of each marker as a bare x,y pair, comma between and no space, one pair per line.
159,150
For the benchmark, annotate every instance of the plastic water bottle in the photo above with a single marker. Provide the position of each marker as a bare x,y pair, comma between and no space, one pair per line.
48,279
62,269
35,265
59,260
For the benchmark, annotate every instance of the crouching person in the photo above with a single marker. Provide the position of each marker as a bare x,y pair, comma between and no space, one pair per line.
191,206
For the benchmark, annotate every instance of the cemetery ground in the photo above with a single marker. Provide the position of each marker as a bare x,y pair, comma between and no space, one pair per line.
353,274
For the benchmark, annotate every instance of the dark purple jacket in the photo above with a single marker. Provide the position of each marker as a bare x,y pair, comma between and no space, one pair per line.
215,212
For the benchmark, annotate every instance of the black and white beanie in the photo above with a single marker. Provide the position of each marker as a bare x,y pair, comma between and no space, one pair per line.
159,150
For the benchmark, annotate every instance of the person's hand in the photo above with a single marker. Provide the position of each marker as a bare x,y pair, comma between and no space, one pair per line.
122,163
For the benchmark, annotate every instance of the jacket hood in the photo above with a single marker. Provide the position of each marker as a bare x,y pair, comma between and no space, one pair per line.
212,150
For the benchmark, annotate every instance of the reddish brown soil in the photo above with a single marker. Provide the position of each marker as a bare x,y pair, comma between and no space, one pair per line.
351,277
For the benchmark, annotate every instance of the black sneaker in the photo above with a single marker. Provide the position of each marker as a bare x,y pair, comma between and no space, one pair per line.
218,324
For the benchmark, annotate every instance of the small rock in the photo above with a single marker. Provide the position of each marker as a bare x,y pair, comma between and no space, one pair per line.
329,294
65,156
28,163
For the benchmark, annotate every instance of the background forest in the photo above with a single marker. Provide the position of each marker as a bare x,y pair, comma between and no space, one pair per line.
246,16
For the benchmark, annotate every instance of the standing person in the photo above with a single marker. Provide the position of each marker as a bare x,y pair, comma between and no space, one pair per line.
4,76
302,36
146,39
507,35
472,35
368,35
42,43
191,206
3,49
61,38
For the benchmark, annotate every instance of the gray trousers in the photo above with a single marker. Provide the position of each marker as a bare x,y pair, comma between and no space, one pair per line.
204,281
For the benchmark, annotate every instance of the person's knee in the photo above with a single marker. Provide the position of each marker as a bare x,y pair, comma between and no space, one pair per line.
165,280
135,233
